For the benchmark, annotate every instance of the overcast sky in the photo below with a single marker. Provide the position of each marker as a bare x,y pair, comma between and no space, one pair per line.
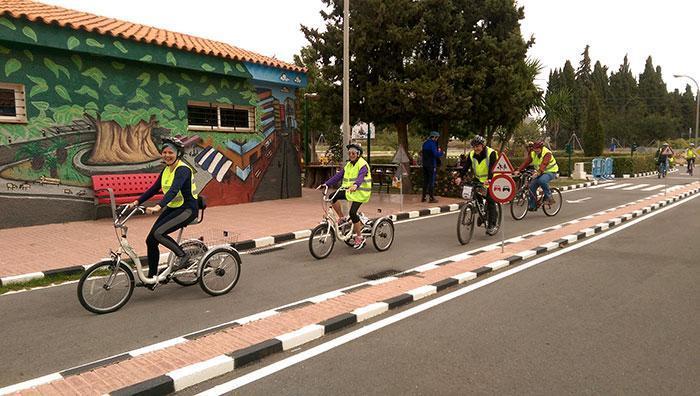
666,29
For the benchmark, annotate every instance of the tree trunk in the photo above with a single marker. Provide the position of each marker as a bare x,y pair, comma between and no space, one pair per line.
61,155
117,145
53,172
38,162
443,141
402,132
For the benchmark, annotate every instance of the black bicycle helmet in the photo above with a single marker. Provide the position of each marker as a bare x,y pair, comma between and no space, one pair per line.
174,143
477,140
354,146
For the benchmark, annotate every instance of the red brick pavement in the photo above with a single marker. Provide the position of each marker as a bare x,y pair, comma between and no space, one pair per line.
160,362
45,247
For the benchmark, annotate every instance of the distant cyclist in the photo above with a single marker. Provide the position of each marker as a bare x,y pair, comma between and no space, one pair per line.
663,160
357,181
179,200
546,165
690,156
480,162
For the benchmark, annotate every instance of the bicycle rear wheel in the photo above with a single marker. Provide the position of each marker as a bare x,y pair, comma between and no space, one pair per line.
518,206
219,271
465,224
194,249
321,241
553,209
105,287
383,235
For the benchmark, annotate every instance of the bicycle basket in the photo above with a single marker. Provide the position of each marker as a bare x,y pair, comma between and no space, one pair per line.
212,237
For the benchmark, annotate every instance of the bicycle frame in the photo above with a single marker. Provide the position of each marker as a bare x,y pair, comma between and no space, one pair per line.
121,231
331,217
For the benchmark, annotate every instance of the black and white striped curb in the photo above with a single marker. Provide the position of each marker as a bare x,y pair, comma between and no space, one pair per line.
643,174
182,378
257,243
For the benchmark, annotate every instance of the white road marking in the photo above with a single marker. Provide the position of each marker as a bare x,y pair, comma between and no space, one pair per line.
578,200
652,188
363,331
635,187
615,187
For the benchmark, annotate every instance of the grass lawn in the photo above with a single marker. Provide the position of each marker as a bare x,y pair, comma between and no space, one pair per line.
45,281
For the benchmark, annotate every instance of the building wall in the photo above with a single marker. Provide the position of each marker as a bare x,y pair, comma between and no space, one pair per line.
94,113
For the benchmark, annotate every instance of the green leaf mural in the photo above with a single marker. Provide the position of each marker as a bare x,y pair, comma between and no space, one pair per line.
56,68
170,58
62,92
28,54
29,32
224,99
72,42
240,68
65,114
163,79
78,62
183,90
167,100
91,106
12,66
181,114
118,66
5,22
41,106
40,85
94,43
85,90
146,58
120,47
224,83
210,90
227,68
203,79
96,74
116,114
145,78
183,75
141,96
4,51
208,67
115,90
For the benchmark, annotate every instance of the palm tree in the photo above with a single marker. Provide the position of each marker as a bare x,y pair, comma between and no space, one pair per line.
59,146
35,151
557,108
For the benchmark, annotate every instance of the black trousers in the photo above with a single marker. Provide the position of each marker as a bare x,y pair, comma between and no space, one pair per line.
354,206
429,181
170,220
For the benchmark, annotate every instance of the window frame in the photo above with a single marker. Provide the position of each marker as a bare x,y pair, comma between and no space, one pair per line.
20,104
218,127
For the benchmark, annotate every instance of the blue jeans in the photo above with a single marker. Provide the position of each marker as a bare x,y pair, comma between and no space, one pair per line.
540,181
663,166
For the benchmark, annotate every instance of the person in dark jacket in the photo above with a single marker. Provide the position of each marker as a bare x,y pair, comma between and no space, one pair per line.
431,154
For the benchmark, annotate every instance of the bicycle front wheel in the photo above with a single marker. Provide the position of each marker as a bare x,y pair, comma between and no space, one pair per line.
553,209
105,287
219,271
321,241
518,206
465,224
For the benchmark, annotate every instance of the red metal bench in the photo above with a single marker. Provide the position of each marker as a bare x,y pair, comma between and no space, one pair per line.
126,187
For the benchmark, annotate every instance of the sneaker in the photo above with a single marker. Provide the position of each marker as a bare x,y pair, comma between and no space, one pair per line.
432,200
181,262
532,209
491,231
151,287
359,243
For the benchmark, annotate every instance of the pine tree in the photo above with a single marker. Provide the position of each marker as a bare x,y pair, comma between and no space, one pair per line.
625,108
594,134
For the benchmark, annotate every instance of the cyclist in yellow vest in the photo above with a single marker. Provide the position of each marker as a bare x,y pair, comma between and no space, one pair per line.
545,164
480,162
180,203
690,156
357,182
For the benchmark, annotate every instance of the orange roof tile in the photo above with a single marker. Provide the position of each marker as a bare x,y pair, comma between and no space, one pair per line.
77,20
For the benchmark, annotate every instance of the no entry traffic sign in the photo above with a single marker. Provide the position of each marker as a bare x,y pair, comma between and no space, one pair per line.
502,188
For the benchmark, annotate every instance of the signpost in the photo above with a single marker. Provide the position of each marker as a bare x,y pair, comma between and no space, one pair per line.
502,187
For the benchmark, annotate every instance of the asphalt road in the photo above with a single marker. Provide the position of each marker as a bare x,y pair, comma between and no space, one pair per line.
51,324
618,316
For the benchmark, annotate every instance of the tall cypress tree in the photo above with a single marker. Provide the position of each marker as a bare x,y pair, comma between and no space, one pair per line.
583,86
626,110
594,134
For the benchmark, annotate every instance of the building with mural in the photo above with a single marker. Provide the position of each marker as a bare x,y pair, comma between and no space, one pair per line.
84,95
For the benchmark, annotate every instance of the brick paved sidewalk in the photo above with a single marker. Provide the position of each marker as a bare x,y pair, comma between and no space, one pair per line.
34,249
198,357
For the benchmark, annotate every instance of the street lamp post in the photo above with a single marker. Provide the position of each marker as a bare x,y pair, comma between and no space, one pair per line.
697,102
307,154
346,78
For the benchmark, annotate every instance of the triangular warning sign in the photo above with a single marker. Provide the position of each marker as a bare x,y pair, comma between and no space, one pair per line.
503,165
667,151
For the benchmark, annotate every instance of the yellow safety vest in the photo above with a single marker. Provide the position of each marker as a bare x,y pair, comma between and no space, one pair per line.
552,166
481,169
350,173
166,181
690,153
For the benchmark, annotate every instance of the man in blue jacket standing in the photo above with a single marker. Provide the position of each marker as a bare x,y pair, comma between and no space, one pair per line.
431,153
